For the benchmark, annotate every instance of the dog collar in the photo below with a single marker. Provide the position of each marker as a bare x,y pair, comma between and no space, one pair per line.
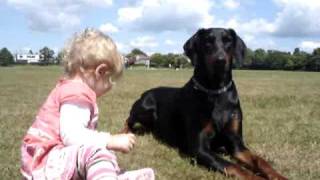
198,86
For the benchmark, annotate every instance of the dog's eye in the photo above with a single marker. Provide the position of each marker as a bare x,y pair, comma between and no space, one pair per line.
209,39
226,39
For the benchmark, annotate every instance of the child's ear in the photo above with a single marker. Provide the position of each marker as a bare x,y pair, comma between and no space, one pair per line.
101,70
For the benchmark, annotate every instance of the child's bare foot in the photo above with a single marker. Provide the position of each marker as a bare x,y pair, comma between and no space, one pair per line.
141,174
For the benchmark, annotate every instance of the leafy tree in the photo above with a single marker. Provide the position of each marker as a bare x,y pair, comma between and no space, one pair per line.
138,52
313,62
259,59
157,59
299,59
316,52
181,61
277,60
168,60
165,60
134,52
60,57
255,59
47,55
248,60
6,57
296,51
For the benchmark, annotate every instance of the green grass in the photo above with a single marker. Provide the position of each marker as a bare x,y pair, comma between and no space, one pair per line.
281,118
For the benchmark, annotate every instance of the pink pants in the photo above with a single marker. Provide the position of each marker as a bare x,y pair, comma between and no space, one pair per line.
94,163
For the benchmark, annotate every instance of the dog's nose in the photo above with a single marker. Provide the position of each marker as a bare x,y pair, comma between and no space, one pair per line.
221,58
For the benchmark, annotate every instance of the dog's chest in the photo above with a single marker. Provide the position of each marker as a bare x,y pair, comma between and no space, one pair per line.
216,119
207,128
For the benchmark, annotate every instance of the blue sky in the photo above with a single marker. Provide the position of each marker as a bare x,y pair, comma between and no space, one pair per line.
159,25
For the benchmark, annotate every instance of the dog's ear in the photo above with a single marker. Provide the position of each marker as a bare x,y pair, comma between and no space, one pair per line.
240,47
190,47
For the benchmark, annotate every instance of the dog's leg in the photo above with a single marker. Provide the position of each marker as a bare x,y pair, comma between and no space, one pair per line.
212,161
229,169
257,163
237,149
251,161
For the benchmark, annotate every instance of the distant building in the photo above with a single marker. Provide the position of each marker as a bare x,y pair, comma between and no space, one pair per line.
143,59
27,58
138,60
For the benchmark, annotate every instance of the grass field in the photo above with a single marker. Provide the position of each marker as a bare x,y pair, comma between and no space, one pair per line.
281,118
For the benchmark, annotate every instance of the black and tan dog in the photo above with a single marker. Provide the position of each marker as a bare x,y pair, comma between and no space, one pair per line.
204,115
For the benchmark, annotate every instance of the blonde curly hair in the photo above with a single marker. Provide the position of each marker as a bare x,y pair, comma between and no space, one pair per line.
89,49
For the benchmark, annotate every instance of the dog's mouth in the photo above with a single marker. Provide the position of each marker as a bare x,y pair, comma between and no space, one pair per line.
136,128
219,62
216,61
217,65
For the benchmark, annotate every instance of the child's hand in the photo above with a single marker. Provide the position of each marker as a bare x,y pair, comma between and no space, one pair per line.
122,142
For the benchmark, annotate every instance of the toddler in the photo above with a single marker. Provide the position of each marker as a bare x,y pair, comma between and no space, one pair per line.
63,142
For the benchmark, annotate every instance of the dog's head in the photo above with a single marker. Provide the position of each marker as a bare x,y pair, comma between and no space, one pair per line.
215,49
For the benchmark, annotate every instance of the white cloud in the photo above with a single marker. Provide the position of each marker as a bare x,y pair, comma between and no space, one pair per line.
167,15
144,42
129,14
231,23
123,48
149,53
257,26
48,15
248,38
108,28
231,4
297,18
252,27
169,42
98,3
255,42
309,45
266,44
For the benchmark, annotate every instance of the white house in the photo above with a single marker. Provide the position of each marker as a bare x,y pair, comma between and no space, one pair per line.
28,58
142,59
137,60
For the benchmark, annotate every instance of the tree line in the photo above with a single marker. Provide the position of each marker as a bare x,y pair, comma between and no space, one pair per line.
258,59
255,59
161,60
279,60
46,54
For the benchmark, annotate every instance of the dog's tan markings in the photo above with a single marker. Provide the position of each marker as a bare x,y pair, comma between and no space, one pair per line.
257,164
228,59
207,128
240,173
245,158
225,117
235,123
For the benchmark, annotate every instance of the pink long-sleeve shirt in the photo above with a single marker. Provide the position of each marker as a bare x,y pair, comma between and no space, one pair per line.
45,133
